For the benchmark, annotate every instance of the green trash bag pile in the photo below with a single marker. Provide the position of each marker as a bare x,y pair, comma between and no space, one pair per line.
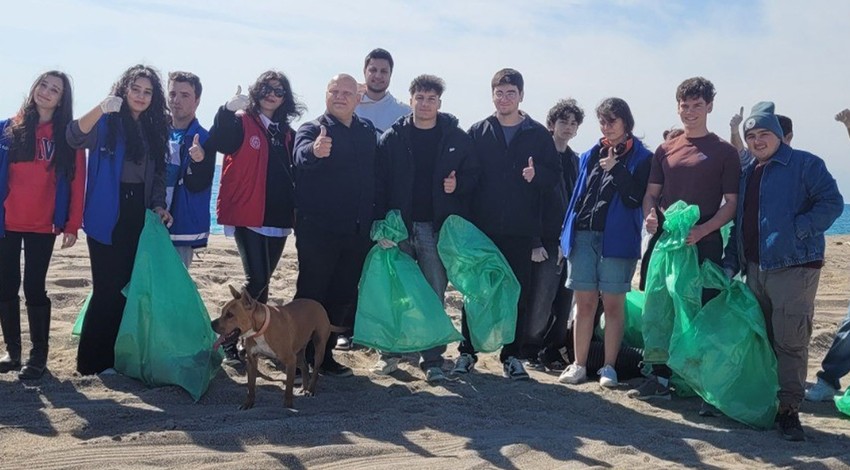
397,310
490,289
720,350
165,337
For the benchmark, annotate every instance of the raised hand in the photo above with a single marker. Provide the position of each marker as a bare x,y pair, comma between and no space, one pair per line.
651,221
735,122
450,183
238,101
844,117
323,143
608,162
528,172
196,152
112,104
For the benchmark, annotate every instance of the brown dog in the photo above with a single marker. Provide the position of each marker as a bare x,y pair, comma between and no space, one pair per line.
280,333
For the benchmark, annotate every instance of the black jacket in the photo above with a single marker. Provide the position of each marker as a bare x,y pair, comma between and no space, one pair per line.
504,203
395,160
337,193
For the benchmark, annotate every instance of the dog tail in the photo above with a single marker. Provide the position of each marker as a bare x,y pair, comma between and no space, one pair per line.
338,329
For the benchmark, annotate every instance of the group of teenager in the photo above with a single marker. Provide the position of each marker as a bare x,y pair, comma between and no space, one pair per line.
567,225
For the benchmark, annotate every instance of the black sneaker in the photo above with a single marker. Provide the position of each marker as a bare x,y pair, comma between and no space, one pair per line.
331,368
788,423
707,410
534,364
232,356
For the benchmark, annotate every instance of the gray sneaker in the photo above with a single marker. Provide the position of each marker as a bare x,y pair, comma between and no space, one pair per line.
434,375
650,389
513,369
464,364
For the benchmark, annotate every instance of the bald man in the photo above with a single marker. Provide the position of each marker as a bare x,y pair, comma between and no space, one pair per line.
335,194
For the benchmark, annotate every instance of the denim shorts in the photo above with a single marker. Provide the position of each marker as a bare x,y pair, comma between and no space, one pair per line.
588,270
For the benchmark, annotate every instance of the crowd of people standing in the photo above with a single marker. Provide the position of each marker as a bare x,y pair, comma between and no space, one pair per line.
569,226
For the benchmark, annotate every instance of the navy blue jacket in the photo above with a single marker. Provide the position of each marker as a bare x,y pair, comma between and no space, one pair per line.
338,193
504,204
395,163
190,203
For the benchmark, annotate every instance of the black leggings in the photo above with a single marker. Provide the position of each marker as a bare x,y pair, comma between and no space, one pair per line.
111,268
260,255
38,248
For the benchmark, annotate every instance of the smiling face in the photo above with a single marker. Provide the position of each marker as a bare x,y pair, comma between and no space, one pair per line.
693,112
48,93
425,105
139,96
762,143
273,95
507,98
377,74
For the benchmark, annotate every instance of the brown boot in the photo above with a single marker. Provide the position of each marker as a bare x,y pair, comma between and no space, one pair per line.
39,318
10,321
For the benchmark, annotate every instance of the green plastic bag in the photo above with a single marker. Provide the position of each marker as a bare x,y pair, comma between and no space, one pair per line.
165,336
490,289
78,324
632,321
673,286
724,353
397,310
843,402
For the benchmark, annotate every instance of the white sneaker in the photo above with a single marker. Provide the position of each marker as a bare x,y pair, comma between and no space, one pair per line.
574,374
821,391
608,377
386,365
464,364
343,343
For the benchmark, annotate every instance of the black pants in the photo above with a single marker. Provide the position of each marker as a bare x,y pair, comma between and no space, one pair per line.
260,255
38,248
558,336
329,269
111,268
517,252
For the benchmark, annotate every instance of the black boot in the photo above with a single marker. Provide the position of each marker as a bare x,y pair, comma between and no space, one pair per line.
39,317
10,321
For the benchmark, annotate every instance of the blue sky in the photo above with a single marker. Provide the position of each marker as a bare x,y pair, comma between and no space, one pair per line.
785,51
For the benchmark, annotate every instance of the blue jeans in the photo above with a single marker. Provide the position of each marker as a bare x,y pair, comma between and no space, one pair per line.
421,245
836,364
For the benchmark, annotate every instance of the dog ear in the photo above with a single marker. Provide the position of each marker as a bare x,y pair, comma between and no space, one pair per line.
236,294
247,300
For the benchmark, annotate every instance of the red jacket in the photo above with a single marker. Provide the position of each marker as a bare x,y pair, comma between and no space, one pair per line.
32,189
242,196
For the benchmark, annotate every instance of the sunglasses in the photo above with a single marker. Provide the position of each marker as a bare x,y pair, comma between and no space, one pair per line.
266,89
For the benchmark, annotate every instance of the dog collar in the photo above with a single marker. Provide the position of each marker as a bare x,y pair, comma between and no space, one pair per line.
266,323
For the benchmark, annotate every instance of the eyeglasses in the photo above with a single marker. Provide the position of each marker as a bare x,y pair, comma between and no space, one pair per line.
508,95
266,89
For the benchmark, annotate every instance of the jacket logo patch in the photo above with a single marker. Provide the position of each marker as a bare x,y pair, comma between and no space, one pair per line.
254,141
451,149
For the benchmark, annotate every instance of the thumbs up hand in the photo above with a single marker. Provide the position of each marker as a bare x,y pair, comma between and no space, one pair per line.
651,221
238,101
112,104
323,143
528,172
196,152
450,183
737,119
608,162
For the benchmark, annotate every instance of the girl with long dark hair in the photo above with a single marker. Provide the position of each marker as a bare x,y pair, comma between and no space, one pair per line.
42,180
127,138
256,200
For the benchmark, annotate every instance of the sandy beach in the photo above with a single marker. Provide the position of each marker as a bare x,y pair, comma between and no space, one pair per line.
366,421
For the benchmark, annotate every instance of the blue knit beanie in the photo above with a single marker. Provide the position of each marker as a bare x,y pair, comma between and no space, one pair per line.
763,117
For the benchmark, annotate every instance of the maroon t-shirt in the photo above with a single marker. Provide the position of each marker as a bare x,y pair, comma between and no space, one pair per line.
696,170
